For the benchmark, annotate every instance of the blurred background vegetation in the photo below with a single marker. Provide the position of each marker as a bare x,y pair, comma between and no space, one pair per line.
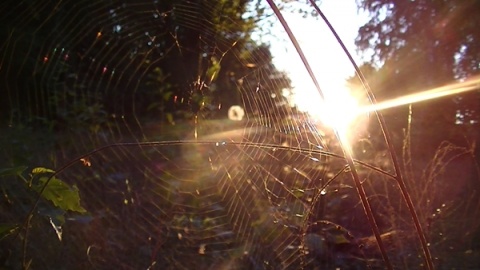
80,75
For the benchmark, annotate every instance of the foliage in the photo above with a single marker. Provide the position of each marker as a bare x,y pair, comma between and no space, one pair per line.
60,194
187,61
436,39
68,88
441,35
417,46
54,200
177,204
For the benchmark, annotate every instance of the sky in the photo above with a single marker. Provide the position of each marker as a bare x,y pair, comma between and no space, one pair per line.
330,64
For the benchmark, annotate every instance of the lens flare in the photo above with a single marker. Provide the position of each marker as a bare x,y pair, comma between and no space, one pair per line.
341,111
443,91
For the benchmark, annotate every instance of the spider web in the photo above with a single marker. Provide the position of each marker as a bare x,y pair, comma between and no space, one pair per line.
244,182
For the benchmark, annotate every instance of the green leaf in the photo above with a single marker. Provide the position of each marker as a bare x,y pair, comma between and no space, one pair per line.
61,194
40,170
12,171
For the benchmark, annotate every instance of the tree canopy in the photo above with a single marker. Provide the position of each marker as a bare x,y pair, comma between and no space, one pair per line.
444,32
170,59
419,45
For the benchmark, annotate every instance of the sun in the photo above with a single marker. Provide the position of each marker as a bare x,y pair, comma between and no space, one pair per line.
339,109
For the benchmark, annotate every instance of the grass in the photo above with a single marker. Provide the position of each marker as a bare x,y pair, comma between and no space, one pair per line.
159,196
451,230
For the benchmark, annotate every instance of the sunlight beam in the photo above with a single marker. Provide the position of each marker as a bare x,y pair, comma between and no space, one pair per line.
443,91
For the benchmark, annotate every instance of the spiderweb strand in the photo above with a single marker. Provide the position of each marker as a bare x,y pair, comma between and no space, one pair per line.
388,140
348,156
242,193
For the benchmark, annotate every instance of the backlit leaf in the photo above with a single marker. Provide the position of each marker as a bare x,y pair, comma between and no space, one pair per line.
61,194
39,170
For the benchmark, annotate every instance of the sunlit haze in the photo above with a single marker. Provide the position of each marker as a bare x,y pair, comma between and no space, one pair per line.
341,109
424,95
329,63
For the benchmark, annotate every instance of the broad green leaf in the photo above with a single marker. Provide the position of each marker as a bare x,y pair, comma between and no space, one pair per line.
12,171
61,194
39,170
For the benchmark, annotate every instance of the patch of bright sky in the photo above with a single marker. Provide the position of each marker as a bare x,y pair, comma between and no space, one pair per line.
329,63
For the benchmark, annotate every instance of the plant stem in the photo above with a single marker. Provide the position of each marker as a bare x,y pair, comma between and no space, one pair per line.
347,152
366,204
25,266
388,140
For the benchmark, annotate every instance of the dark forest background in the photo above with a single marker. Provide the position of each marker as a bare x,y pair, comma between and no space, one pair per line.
77,75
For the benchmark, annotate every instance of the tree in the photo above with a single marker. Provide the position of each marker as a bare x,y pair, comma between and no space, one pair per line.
167,58
71,65
443,31
421,45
